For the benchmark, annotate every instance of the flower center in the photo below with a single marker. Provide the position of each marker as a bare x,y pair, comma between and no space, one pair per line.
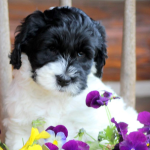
148,144
55,142
132,149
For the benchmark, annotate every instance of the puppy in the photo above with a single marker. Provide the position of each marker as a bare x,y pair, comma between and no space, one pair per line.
58,58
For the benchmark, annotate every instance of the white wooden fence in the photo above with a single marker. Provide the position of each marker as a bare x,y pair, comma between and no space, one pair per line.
5,68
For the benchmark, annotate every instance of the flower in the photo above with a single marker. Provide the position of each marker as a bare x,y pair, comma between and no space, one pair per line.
121,128
148,141
70,145
134,141
31,144
58,135
75,145
1,148
144,118
107,94
58,140
94,100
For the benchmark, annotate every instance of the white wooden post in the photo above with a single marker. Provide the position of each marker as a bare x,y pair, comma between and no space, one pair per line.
65,2
5,68
128,62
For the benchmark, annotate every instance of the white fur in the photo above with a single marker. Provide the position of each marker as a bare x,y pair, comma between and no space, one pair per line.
27,101
46,76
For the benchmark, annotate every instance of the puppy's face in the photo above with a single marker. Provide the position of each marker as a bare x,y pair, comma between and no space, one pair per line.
62,59
61,45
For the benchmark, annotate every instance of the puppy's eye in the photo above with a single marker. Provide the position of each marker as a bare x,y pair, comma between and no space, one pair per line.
80,54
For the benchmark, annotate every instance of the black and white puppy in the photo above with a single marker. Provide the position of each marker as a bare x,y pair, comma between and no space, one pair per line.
54,57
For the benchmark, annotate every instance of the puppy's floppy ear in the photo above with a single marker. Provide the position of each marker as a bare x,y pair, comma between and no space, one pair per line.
101,52
26,31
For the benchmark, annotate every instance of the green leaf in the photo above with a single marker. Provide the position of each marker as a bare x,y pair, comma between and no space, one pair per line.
38,123
110,134
44,147
80,134
101,136
3,146
94,145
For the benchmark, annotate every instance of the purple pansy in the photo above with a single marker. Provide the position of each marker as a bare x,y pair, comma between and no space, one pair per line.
144,118
134,141
70,145
122,129
51,146
78,145
58,135
107,94
94,99
58,128
148,141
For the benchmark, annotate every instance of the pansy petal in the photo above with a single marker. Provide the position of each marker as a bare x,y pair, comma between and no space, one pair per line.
34,133
107,94
60,136
145,129
61,128
148,140
135,140
35,147
103,100
116,124
123,129
141,146
70,145
52,137
50,128
94,103
51,132
82,145
43,135
51,146
125,145
61,139
90,96
144,117
136,137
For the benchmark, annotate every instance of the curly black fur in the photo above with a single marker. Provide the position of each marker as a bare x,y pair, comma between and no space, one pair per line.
61,30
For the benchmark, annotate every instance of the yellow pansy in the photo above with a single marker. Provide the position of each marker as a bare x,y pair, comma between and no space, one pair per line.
35,147
1,148
35,135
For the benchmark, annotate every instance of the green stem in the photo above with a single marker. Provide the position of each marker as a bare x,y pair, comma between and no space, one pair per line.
80,138
23,141
108,112
90,136
6,147
108,115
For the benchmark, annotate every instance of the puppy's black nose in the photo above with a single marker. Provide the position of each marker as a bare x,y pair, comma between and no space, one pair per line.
63,82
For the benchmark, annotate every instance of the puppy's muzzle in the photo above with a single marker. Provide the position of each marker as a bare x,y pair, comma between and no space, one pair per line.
63,81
